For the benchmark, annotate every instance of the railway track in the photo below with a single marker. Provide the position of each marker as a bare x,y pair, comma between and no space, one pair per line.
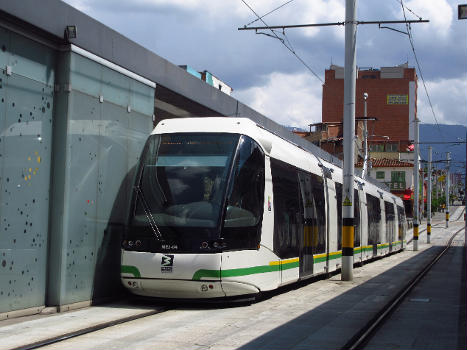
364,335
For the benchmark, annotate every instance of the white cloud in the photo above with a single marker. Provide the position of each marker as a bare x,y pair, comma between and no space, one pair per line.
288,99
449,100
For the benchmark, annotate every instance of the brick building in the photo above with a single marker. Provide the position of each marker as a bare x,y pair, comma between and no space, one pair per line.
392,100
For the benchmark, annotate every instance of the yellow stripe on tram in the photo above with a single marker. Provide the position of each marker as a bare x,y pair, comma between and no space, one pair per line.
283,262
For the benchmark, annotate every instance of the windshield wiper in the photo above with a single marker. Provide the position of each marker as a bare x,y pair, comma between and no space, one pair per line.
148,213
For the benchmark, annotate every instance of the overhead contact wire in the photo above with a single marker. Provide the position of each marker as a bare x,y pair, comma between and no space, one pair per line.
283,42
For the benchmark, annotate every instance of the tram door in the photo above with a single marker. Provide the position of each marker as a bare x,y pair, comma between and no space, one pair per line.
374,222
309,224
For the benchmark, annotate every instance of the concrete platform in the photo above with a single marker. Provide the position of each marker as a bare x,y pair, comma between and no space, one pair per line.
320,315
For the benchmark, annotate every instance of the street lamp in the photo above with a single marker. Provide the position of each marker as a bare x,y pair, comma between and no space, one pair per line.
365,137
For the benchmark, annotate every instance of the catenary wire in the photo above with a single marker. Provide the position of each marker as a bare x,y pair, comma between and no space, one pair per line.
277,8
274,35
409,32
419,17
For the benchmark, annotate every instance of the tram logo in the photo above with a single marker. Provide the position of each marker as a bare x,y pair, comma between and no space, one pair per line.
167,263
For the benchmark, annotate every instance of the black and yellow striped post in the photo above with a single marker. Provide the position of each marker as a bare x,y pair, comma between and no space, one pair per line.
447,219
415,236
348,239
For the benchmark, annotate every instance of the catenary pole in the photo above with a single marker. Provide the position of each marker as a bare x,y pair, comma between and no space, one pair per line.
462,14
448,184
416,177
428,201
349,135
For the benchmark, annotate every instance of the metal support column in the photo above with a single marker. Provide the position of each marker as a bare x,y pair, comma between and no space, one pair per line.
416,177
448,185
349,137
428,201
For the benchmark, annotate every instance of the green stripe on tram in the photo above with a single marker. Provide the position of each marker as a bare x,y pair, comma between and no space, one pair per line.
133,270
272,267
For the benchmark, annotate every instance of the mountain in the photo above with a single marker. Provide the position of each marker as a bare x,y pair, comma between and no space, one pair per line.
444,133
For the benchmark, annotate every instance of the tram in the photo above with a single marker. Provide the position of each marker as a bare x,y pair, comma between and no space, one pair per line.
222,207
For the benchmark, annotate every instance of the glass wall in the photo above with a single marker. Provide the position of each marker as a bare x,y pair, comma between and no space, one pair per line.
26,104
108,119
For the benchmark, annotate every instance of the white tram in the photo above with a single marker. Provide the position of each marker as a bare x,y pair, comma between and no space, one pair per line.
224,208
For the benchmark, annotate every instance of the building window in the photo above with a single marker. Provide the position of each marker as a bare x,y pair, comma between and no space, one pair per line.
397,180
391,147
398,176
380,174
377,147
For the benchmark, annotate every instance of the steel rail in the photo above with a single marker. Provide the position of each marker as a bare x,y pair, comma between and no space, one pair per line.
91,329
361,338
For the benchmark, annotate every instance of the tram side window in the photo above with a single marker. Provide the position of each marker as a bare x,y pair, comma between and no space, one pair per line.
402,226
315,219
374,219
390,221
288,213
245,200
339,215
356,214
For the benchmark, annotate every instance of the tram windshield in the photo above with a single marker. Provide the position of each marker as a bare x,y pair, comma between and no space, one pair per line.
180,190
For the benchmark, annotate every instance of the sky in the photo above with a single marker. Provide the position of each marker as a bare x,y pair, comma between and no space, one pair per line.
266,76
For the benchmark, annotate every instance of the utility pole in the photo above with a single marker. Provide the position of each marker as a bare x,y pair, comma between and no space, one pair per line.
462,14
428,201
350,73
416,176
448,159
422,194
365,137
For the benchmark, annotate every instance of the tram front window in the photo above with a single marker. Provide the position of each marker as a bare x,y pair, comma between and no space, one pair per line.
180,191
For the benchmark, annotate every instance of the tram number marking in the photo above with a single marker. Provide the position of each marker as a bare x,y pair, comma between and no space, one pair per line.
167,263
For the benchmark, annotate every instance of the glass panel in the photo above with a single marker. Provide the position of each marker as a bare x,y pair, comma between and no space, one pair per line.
245,201
375,147
374,220
181,188
339,215
391,147
356,213
402,223
380,174
390,222
25,160
288,216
